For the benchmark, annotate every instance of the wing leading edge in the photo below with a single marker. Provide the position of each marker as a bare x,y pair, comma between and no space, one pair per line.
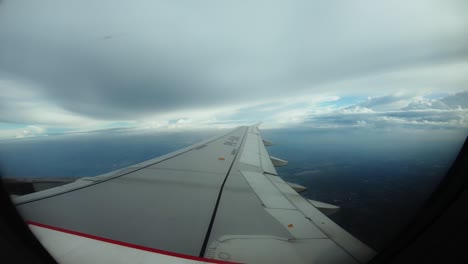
217,201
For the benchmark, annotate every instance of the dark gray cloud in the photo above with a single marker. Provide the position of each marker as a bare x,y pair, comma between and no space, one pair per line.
126,60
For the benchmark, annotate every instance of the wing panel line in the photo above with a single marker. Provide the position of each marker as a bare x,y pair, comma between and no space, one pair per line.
208,232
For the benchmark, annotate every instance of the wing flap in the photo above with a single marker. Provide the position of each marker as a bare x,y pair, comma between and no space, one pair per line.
252,154
266,191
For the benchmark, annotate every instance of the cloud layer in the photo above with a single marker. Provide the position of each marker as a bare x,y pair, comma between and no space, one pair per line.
93,65
418,112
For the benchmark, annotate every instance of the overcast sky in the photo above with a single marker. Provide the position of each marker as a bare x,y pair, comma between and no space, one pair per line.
85,65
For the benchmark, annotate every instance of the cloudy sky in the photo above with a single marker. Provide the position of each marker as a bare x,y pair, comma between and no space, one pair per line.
68,66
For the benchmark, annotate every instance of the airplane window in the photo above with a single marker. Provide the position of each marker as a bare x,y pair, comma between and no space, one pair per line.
239,127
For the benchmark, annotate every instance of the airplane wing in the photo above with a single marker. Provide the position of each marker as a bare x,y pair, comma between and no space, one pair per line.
219,201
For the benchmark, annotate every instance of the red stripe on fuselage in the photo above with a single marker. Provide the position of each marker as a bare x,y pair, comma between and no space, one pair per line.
125,244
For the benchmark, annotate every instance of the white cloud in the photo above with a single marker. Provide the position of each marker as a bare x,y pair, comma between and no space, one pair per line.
23,132
420,112
357,109
361,123
31,131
